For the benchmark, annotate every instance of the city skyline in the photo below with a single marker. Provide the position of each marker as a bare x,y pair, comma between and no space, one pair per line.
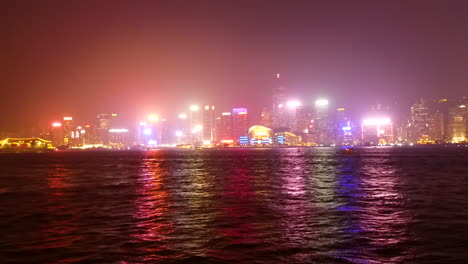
266,102
293,123
234,131
76,58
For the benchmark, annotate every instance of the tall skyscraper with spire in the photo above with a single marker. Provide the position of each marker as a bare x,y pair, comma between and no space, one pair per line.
279,103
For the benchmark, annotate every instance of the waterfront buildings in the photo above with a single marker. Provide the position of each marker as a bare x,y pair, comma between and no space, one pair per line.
119,138
377,131
260,135
458,122
224,127
344,129
287,138
304,118
279,117
240,123
25,144
104,123
303,122
323,132
266,118
421,126
208,123
166,137
56,134
68,131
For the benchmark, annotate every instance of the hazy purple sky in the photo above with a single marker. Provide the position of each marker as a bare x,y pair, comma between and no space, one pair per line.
131,57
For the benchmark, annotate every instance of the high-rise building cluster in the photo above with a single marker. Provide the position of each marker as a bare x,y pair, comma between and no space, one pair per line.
437,121
284,121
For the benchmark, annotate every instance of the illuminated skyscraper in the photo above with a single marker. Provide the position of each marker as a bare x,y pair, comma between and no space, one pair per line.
291,112
208,123
440,118
279,103
119,138
196,125
458,121
103,126
88,135
165,136
323,131
377,131
266,118
421,125
240,124
304,117
56,134
343,128
224,127
68,131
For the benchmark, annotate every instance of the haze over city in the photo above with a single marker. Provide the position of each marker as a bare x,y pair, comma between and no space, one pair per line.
234,131
84,57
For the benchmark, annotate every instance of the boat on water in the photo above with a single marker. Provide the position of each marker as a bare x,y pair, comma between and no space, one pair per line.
348,150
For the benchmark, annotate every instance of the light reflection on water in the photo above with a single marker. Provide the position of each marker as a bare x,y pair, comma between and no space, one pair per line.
292,205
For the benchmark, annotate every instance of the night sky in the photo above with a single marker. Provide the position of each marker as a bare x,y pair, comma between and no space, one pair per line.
83,57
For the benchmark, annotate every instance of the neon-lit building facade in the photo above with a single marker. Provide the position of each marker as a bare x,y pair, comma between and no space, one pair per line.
208,123
344,128
224,127
68,131
119,138
287,138
459,123
57,134
103,125
260,135
279,117
377,131
33,143
240,124
323,131
421,127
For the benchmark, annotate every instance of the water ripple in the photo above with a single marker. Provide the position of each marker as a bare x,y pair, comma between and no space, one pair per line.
320,205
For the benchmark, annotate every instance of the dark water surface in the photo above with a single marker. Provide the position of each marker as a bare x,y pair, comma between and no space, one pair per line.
317,205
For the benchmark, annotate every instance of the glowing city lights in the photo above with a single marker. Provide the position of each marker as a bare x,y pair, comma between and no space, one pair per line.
194,108
147,131
179,133
321,102
293,104
153,118
56,124
182,116
118,130
68,118
376,121
197,128
239,111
